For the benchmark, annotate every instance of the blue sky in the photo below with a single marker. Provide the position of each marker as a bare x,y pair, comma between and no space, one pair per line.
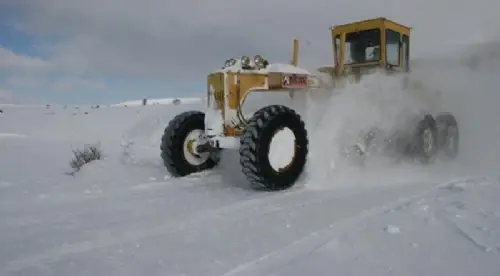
106,51
86,88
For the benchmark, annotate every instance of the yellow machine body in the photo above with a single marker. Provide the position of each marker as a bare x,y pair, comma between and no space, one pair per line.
227,92
389,42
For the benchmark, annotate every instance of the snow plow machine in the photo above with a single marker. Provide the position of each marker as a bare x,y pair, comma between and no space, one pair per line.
193,140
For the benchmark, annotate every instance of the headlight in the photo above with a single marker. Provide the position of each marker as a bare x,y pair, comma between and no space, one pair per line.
245,62
230,62
259,62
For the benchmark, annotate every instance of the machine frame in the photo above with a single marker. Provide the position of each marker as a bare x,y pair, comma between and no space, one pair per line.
223,125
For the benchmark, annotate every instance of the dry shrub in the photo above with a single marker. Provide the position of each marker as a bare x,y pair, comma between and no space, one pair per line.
84,156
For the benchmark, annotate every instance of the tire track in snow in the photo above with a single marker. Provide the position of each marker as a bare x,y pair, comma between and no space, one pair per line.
267,204
77,198
281,257
243,210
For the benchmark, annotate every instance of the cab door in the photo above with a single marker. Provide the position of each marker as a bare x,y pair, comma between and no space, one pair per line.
405,53
393,42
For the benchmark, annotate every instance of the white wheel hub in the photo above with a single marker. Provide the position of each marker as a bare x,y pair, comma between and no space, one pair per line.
189,148
282,149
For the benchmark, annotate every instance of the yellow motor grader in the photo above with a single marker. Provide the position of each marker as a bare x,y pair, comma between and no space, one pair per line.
192,141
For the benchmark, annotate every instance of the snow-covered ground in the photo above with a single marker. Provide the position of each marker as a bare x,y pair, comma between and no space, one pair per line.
124,215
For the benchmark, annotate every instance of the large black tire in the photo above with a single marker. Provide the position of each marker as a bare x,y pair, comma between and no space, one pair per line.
448,136
255,145
426,130
172,144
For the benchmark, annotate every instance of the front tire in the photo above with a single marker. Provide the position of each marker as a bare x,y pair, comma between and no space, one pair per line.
177,157
256,144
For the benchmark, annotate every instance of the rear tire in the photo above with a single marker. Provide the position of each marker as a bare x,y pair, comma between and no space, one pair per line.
255,146
176,158
425,145
448,136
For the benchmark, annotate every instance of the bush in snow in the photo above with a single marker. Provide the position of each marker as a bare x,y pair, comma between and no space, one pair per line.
82,157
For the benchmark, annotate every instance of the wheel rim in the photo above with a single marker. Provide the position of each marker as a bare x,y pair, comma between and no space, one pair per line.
282,149
189,148
428,140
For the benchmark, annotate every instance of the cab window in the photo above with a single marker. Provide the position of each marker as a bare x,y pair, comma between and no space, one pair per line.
363,46
392,47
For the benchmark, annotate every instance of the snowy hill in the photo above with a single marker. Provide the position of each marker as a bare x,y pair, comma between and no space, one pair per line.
124,215
160,101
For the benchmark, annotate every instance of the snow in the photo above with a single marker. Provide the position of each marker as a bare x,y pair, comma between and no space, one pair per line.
125,215
272,67
438,232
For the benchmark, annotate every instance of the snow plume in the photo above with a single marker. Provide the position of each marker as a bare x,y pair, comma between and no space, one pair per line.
378,100
468,80
465,84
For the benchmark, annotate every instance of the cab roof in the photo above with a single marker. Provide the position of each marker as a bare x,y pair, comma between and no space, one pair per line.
374,23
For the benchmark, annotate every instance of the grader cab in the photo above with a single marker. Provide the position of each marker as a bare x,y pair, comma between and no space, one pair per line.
363,46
